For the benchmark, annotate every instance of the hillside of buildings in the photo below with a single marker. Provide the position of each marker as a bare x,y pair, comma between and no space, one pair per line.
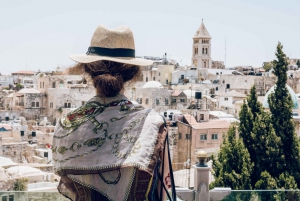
204,96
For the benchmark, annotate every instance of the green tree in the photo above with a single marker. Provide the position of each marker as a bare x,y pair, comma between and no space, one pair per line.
267,182
267,66
298,63
21,184
265,147
232,166
253,104
281,105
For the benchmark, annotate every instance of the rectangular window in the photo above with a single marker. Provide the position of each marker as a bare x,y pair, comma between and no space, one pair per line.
37,104
226,99
166,101
69,105
11,198
179,136
4,198
32,104
157,101
43,85
153,78
147,101
214,136
70,82
53,84
203,137
174,100
146,79
187,136
141,101
182,77
51,104
40,84
182,100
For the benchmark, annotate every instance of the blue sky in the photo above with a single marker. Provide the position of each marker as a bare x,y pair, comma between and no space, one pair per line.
41,34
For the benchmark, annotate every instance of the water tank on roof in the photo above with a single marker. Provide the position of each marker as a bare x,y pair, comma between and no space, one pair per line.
198,95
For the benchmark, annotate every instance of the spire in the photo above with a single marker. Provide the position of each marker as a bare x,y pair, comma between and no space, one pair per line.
202,32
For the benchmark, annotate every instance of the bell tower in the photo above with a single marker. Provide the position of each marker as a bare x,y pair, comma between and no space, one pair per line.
202,48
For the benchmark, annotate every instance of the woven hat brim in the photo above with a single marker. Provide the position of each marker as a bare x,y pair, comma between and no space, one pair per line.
83,58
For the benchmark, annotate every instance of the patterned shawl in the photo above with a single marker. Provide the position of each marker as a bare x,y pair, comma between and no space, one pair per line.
100,145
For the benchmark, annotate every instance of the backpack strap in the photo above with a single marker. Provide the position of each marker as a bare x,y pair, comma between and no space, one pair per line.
170,169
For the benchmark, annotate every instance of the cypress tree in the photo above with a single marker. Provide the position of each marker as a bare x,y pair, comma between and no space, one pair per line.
253,104
265,147
281,105
232,166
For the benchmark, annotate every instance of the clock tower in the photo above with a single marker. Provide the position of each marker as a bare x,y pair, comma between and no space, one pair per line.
202,48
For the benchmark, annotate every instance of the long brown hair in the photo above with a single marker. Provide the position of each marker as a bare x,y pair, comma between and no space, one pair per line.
108,77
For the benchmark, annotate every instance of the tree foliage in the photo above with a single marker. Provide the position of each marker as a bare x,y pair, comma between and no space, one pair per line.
21,184
267,66
268,138
232,167
298,63
281,105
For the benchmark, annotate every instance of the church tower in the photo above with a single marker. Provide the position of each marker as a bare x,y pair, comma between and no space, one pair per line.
202,48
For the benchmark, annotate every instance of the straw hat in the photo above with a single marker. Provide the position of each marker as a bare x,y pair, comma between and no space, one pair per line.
112,45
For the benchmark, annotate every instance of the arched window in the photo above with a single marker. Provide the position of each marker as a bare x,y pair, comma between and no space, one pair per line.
203,50
204,64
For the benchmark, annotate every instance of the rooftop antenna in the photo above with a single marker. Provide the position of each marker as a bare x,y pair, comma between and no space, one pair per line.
225,52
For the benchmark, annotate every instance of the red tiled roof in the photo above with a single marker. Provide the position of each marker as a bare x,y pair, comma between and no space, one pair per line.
218,123
176,93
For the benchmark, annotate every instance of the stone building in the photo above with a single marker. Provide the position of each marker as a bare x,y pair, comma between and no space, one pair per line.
152,95
6,80
24,77
202,50
179,76
63,92
160,71
226,100
179,97
193,136
29,102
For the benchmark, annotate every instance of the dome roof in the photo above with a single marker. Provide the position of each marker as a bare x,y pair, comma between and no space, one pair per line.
152,84
291,91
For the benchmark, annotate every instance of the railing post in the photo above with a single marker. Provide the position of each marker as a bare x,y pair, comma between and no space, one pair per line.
201,177
201,184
